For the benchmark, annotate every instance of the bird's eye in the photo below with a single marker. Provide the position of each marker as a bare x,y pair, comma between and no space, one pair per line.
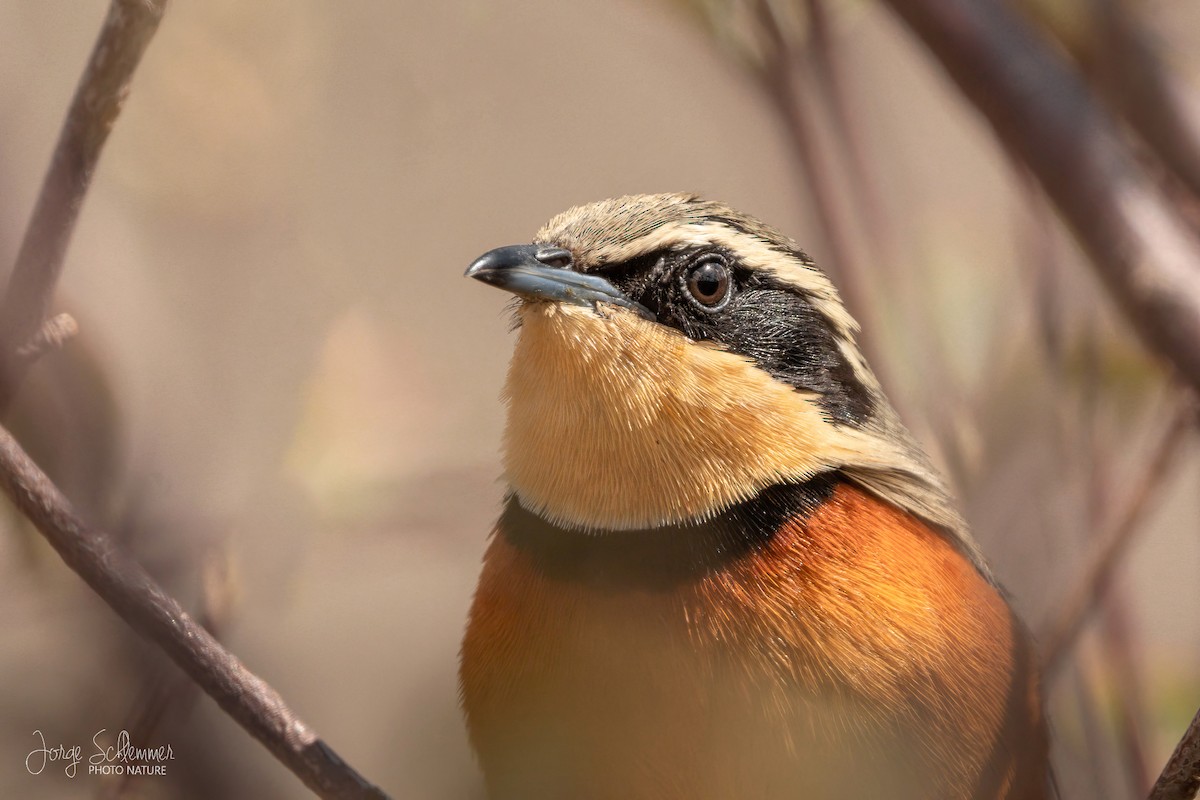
555,257
708,282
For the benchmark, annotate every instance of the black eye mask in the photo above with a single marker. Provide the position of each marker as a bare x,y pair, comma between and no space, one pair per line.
769,322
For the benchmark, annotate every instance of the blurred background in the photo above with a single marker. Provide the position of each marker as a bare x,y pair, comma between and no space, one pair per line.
285,397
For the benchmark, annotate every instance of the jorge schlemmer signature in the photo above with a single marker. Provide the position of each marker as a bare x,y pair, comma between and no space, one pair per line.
122,759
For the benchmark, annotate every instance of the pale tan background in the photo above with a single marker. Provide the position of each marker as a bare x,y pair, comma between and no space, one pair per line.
268,270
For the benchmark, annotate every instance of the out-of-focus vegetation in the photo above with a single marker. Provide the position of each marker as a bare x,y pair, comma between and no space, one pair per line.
282,373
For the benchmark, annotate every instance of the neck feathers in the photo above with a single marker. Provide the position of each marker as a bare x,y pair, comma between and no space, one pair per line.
616,424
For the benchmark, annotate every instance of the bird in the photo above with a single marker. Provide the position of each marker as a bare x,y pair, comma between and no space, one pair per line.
723,567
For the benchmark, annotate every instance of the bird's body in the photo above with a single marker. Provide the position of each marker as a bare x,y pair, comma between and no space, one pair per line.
724,570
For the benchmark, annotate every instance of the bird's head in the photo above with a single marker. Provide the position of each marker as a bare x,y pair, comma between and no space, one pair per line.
676,357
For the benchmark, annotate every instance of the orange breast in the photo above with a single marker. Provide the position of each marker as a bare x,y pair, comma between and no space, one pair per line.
853,653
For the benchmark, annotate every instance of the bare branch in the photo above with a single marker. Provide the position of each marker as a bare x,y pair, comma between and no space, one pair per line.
98,100
168,693
1150,96
53,334
777,80
154,614
1045,116
829,73
1180,778
1095,750
1129,699
24,333
1061,634
1120,57
775,73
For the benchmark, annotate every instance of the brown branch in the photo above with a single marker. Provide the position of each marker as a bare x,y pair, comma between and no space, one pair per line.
1060,636
154,614
1129,700
97,102
25,333
831,82
1180,778
1114,627
169,693
1151,98
1044,115
53,334
1119,56
776,78
1095,752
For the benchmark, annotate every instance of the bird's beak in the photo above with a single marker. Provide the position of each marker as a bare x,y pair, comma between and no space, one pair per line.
523,270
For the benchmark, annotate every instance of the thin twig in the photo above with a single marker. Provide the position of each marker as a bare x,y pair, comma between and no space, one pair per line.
1096,459
1044,115
1129,703
98,100
169,693
1096,742
142,603
776,78
118,579
1127,68
54,333
1061,634
831,82
1180,778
